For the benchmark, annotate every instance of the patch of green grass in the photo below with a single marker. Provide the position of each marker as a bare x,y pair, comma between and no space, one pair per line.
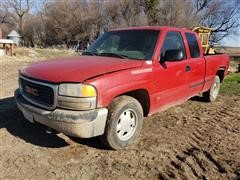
231,85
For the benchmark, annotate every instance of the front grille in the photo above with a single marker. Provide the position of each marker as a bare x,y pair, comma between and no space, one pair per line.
37,93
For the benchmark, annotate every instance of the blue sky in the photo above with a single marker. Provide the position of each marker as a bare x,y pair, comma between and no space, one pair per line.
232,40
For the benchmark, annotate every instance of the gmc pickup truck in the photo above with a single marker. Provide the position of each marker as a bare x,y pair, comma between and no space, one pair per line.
124,76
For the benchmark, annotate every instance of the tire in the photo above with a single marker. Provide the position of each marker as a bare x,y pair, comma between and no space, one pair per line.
212,93
124,123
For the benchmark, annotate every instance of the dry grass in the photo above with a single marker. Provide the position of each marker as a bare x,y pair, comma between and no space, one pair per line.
232,51
36,54
24,56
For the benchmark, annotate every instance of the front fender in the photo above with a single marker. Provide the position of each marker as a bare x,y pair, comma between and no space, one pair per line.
112,85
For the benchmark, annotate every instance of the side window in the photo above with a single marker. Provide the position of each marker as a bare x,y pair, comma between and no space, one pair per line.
173,41
193,45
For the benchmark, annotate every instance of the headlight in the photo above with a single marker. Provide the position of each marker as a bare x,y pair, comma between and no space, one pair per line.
77,96
77,90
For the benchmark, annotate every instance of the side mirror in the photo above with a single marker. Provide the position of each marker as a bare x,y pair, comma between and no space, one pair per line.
173,55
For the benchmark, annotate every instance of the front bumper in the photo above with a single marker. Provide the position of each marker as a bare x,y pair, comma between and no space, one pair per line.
83,124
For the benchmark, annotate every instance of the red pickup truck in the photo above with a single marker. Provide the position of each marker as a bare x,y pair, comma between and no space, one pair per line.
124,76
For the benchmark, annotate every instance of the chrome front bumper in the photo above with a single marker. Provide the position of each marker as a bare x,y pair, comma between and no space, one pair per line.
83,124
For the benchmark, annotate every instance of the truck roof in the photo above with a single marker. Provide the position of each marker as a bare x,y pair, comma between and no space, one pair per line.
167,28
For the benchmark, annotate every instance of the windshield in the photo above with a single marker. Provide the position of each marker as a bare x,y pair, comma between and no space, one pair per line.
130,44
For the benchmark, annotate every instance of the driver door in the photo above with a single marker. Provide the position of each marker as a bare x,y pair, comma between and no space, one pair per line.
171,75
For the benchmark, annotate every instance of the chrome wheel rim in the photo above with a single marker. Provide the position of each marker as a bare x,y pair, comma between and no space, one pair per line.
126,124
216,88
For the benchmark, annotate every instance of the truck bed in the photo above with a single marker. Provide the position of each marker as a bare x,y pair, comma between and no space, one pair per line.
214,61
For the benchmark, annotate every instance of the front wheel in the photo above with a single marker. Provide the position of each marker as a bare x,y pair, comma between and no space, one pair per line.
212,93
124,122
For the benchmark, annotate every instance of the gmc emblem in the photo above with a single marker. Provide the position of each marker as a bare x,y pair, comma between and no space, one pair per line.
31,90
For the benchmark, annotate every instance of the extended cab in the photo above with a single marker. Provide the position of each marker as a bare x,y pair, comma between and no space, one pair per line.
124,76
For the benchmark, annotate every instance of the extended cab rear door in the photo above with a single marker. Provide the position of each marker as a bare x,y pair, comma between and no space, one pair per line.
196,64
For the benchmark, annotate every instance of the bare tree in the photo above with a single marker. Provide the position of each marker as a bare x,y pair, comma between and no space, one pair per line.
59,22
18,9
125,13
170,13
221,15
132,13
3,16
152,9
6,22
68,20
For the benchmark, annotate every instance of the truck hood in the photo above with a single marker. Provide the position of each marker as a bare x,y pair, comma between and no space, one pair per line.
77,69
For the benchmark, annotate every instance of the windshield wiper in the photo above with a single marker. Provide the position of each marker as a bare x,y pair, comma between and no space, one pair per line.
114,55
89,53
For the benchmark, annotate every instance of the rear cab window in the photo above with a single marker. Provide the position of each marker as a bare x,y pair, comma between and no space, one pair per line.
193,45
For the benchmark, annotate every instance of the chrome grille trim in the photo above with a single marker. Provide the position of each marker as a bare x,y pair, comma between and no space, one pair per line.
53,86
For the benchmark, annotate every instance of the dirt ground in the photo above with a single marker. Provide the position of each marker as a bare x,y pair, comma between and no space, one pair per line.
196,140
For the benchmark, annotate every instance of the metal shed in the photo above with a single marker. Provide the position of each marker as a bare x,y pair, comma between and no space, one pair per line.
15,36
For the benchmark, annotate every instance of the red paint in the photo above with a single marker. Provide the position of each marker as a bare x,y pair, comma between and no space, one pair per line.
77,69
167,84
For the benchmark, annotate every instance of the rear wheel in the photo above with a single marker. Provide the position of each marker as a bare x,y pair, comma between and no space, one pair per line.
124,122
212,93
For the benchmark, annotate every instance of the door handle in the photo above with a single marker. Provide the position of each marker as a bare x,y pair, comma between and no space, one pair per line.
187,68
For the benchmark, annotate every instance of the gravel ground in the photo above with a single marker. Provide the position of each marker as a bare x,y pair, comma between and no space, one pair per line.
195,140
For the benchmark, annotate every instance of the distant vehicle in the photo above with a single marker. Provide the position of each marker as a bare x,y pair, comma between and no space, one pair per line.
124,76
81,46
78,46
